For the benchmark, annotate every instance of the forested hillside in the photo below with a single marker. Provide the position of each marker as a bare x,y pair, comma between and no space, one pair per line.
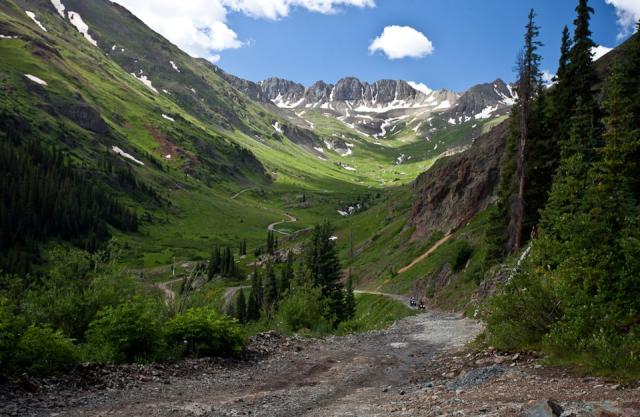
568,205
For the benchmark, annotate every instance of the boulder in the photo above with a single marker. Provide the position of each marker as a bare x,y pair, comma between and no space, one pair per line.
544,408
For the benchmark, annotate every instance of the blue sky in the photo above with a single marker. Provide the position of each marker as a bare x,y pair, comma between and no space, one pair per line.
474,41
307,40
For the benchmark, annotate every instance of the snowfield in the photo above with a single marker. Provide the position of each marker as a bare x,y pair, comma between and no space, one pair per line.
126,155
145,80
59,7
33,17
83,28
36,79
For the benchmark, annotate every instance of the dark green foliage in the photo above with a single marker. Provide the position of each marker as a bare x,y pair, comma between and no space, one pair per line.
222,263
324,270
44,197
349,300
202,332
305,308
43,351
579,294
255,297
271,242
128,332
76,287
462,253
271,291
286,276
241,307
523,313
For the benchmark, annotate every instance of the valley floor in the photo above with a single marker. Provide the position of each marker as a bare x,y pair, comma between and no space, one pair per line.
415,367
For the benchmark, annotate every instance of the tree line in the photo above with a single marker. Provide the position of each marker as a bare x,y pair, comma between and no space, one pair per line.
570,188
44,196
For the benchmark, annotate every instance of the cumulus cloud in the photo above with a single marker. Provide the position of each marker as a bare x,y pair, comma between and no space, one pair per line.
398,42
600,51
275,9
199,27
628,12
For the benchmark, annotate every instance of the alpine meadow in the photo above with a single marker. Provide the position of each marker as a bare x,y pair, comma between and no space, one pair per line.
191,226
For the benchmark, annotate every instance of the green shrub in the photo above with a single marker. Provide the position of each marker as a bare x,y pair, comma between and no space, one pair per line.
43,351
523,313
204,332
304,308
129,332
10,328
462,252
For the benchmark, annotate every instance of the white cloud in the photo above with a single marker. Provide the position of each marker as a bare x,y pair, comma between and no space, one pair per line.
600,51
398,42
199,27
628,12
275,9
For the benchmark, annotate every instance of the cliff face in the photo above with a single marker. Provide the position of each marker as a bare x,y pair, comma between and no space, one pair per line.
459,187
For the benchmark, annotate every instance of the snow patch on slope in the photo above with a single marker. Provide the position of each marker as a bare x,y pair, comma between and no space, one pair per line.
276,126
83,28
174,66
443,106
36,79
486,112
420,87
33,17
59,7
169,118
126,155
8,37
144,80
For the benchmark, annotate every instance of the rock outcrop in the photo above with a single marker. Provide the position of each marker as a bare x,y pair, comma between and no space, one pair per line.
458,187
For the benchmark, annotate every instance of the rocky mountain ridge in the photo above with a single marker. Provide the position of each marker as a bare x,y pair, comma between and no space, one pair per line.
378,108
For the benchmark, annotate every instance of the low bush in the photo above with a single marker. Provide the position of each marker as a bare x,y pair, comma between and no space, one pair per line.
129,332
523,313
304,308
42,351
204,332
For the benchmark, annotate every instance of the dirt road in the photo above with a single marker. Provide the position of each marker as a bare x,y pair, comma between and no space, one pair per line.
272,226
336,376
414,368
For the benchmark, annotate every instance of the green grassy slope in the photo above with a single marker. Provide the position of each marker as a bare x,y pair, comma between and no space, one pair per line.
201,141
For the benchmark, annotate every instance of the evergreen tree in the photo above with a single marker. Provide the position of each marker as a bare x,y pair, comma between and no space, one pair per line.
286,275
529,86
349,300
271,294
254,304
241,307
324,270
214,267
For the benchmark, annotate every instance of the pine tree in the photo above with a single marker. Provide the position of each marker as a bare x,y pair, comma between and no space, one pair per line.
241,307
324,270
215,263
254,304
271,294
349,300
286,275
529,86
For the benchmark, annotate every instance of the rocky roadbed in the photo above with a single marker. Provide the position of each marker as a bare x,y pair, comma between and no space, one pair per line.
417,367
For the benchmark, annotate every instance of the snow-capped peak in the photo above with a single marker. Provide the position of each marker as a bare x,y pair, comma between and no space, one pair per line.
420,87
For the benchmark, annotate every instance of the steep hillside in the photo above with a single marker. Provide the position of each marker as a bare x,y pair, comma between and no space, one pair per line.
91,80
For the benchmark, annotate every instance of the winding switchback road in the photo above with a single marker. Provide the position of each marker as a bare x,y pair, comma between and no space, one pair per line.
272,226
